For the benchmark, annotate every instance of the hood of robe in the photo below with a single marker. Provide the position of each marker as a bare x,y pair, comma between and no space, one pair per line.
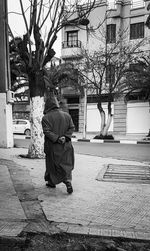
51,104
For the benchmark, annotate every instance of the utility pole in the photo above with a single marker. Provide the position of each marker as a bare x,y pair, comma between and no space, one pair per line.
6,96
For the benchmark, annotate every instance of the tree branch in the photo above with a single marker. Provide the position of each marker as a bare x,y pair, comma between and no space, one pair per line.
28,34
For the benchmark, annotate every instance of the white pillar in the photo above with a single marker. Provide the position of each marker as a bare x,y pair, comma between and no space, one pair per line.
6,132
6,127
85,113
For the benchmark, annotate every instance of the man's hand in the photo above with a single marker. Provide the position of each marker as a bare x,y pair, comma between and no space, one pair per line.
62,140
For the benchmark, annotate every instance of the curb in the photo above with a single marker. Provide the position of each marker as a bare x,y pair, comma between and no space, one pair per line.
12,240
123,141
101,141
9,243
128,234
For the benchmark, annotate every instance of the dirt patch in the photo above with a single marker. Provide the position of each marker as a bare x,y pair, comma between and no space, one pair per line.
67,242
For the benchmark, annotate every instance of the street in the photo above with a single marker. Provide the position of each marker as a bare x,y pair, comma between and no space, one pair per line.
135,152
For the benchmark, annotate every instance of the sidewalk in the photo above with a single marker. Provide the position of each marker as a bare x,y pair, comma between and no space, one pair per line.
95,208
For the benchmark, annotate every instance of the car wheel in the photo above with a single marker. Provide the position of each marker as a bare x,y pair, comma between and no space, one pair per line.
27,132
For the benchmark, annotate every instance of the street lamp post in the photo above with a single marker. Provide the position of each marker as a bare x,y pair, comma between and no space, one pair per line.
6,132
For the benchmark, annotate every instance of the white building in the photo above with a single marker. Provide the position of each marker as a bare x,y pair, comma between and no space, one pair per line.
132,117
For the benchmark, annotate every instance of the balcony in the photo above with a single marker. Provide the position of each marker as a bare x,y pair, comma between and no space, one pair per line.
71,49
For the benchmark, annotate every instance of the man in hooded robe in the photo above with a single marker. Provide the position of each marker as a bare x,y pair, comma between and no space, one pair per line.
58,128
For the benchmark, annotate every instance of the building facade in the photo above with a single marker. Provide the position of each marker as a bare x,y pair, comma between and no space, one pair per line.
133,116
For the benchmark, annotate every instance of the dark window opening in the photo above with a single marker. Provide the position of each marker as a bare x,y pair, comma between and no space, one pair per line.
137,96
73,100
137,30
75,117
111,33
103,98
110,74
72,38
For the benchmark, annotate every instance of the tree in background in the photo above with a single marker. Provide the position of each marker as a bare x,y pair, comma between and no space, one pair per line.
105,72
18,73
65,75
43,20
138,78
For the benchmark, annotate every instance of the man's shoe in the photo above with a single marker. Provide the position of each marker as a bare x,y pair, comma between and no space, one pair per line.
69,186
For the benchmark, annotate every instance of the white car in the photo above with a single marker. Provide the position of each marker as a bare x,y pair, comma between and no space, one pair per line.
22,126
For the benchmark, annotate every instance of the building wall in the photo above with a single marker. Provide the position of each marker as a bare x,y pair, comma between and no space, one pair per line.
97,16
81,115
127,117
138,118
85,34
94,118
120,114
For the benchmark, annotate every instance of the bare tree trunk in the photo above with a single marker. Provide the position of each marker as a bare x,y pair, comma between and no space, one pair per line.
105,125
109,120
106,128
36,148
103,117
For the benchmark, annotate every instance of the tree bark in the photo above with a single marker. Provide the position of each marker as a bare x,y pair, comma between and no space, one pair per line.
36,83
109,120
36,148
102,115
105,125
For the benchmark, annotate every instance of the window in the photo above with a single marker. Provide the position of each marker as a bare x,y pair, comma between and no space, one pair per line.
73,100
72,38
137,30
111,33
110,74
22,122
94,98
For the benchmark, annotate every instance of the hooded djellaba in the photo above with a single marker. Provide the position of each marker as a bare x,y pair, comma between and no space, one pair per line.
58,128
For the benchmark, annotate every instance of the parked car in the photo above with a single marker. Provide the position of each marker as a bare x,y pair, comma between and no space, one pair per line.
21,126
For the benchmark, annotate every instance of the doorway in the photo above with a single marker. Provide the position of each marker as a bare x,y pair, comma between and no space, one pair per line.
75,117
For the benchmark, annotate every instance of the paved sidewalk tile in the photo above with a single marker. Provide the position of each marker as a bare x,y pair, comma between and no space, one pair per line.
95,207
10,207
11,228
12,216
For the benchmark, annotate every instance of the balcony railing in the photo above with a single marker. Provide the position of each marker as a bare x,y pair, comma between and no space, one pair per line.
69,44
137,4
